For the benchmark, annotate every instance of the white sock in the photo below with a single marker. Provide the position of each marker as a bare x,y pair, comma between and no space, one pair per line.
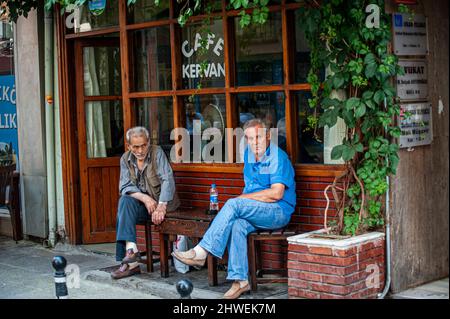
133,265
200,252
243,283
130,244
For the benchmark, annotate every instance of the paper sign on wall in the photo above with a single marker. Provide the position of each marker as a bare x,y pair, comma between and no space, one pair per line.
417,127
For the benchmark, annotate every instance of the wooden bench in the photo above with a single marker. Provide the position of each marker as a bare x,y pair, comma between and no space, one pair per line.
9,197
256,270
189,222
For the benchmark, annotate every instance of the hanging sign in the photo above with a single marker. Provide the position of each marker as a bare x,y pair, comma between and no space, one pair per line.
414,84
416,127
9,149
97,7
410,34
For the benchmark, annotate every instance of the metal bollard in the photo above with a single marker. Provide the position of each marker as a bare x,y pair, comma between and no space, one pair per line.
59,263
184,288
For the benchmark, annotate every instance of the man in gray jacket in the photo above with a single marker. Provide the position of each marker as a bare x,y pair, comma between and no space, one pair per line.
147,188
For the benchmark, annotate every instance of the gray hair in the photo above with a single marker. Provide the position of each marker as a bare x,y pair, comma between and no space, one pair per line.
137,131
255,122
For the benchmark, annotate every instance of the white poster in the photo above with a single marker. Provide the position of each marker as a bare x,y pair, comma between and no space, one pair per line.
416,126
414,84
410,34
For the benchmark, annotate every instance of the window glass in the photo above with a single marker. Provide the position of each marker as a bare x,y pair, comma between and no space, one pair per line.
147,10
316,144
96,14
302,60
194,56
268,106
104,128
152,63
203,112
6,48
259,52
101,71
156,114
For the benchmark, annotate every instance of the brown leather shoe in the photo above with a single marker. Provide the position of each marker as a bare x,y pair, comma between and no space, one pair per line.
236,291
131,257
189,258
125,271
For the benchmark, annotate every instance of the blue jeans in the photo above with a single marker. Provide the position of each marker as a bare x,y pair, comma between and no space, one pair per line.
238,218
130,212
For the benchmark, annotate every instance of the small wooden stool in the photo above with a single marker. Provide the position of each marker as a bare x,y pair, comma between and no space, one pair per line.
256,272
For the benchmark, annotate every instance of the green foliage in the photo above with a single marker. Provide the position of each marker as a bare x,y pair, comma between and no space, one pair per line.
362,66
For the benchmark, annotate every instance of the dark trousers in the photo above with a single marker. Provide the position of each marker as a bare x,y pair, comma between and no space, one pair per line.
130,212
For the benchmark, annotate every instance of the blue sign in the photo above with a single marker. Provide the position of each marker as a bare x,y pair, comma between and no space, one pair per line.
9,148
398,18
97,6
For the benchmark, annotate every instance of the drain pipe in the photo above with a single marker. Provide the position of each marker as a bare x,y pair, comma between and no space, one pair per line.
49,126
387,285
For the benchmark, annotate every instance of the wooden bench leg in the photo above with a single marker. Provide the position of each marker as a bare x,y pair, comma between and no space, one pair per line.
164,257
252,263
212,270
149,246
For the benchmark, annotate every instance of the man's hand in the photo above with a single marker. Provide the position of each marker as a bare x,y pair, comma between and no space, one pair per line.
150,204
159,213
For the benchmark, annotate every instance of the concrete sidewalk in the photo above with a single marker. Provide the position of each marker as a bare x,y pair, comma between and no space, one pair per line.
26,272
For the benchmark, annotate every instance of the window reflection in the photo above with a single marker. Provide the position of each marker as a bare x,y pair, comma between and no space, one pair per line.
259,53
156,114
147,10
310,137
152,63
268,106
97,14
203,112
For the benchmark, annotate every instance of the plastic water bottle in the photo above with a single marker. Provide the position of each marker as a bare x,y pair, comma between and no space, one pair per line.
213,200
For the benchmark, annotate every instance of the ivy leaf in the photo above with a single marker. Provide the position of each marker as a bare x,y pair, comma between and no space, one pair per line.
360,110
336,152
379,97
352,103
338,81
371,70
348,153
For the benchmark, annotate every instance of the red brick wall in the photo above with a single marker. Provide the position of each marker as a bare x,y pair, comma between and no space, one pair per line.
193,188
324,272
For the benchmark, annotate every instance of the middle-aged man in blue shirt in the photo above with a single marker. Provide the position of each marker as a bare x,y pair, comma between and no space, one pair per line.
267,202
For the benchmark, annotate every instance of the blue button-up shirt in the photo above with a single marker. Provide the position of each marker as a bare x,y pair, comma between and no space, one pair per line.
272,168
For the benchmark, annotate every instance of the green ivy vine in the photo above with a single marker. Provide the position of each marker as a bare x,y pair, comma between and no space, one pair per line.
361,65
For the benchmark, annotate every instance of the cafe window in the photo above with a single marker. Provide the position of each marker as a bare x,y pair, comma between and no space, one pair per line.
259,52
152,66
203,65
176,83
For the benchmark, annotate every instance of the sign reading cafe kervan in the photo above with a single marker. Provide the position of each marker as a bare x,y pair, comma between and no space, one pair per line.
214,45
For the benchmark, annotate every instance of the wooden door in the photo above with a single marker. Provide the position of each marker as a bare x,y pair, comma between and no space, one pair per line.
100,135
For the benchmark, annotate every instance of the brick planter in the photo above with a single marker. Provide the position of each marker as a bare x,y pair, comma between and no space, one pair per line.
336,268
